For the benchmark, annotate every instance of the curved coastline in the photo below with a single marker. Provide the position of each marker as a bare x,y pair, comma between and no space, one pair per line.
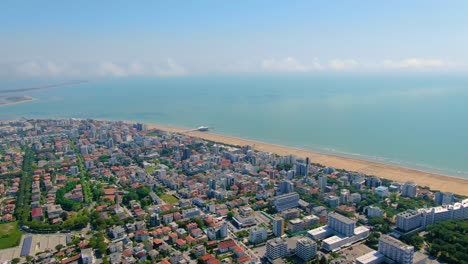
388,171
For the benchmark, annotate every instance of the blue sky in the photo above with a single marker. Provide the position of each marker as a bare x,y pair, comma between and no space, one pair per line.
170,38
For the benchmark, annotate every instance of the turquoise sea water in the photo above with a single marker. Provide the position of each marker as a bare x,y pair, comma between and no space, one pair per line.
418,121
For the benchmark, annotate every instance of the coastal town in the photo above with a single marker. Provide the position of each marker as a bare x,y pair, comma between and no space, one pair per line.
95,191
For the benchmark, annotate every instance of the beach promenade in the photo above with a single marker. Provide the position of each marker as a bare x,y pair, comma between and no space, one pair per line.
391,172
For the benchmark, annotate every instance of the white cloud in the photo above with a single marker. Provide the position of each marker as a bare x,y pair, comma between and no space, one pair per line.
416,63
112,69
171,69
38,68
289,64
340,65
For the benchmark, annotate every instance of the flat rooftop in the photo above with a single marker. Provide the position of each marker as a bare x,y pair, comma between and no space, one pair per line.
342,218
369,257
394,242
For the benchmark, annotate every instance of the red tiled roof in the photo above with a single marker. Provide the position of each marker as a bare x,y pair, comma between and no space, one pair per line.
227,244
243,259
36,212
71,259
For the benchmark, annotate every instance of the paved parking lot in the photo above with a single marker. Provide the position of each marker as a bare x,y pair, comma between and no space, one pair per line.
40,243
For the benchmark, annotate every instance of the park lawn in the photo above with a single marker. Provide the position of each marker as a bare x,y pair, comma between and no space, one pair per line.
168,198
10,235
150,169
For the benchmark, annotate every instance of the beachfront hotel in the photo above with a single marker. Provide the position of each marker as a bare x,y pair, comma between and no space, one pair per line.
413,219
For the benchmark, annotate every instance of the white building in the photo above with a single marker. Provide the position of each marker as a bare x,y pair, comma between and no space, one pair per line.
344,196
442,198
409,189
87,256
276,248
408,220
306,248
396,250
286,201
257,235
320,232
336,242
341,224
372,257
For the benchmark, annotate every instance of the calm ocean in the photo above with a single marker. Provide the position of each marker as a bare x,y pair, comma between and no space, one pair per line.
418,121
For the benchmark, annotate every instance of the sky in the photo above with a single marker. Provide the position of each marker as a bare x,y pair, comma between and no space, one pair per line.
176,38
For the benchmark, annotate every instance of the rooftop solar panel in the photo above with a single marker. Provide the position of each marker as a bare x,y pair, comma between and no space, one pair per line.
26,248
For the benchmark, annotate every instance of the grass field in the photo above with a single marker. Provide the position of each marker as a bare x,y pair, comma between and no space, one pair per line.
169,198
10,235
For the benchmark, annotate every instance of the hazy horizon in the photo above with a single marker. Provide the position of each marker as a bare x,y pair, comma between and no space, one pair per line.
87,39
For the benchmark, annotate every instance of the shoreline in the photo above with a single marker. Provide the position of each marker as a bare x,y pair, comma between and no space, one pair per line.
396,173
26,100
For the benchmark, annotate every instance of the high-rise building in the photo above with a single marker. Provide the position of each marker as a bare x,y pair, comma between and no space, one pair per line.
373,182
344,196
276,248
223,230
408,220
341,224
444,198
396,250
332,200
286,201
306,248
322,181
286,187
212,184
278,226
257,235
186,153
409,189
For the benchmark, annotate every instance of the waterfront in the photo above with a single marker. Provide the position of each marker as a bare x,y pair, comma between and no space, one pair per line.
391,172
413,121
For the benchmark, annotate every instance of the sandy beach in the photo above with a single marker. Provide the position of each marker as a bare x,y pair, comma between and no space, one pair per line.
395,173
